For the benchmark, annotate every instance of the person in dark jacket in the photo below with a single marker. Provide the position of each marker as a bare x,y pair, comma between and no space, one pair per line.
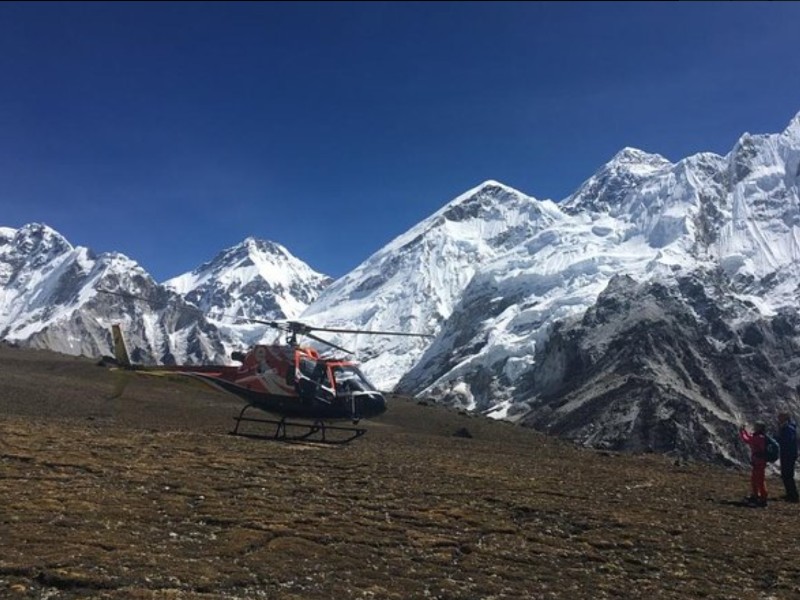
758,461
787,438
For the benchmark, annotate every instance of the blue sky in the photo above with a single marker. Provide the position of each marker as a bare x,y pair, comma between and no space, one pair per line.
170,131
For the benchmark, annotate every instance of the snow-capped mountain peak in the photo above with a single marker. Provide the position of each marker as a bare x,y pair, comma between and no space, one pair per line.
793,128
610,188
254,279
638,161
36,239
29,257
414,283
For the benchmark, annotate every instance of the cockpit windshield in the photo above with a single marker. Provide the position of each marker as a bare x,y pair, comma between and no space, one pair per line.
350,379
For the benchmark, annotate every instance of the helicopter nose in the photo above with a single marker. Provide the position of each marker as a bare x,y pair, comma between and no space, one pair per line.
374,405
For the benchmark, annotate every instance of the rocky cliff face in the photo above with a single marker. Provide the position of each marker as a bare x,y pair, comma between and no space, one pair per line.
665,368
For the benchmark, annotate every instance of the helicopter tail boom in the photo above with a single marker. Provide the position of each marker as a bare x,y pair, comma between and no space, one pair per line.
120,350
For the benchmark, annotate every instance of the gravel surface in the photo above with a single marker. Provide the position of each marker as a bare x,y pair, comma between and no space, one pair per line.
148,496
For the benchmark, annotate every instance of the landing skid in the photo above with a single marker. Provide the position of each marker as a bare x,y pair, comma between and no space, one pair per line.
315,432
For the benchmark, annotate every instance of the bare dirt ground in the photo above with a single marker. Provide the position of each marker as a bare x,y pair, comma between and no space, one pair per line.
147,496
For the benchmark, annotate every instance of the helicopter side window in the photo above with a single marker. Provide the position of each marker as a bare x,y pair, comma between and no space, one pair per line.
307,367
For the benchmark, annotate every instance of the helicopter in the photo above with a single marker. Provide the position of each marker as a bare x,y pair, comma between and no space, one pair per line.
289,380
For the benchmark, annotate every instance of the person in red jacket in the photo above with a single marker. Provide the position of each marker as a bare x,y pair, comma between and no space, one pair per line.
758,451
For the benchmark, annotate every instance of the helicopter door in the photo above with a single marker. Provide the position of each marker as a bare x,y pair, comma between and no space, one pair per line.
323,390
313,382
303,379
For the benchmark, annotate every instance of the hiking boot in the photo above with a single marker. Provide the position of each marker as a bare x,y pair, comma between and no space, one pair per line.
761,502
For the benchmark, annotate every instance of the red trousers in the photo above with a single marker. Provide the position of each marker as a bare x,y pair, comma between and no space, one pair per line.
758,482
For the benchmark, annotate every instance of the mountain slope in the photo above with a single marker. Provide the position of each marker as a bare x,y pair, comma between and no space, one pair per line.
416,281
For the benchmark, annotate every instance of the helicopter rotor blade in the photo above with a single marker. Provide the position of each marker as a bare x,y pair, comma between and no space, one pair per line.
262,322
276,324
298,328
369,331
331,344
302,328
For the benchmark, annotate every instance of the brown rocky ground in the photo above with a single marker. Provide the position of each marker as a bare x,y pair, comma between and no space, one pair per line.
147,496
